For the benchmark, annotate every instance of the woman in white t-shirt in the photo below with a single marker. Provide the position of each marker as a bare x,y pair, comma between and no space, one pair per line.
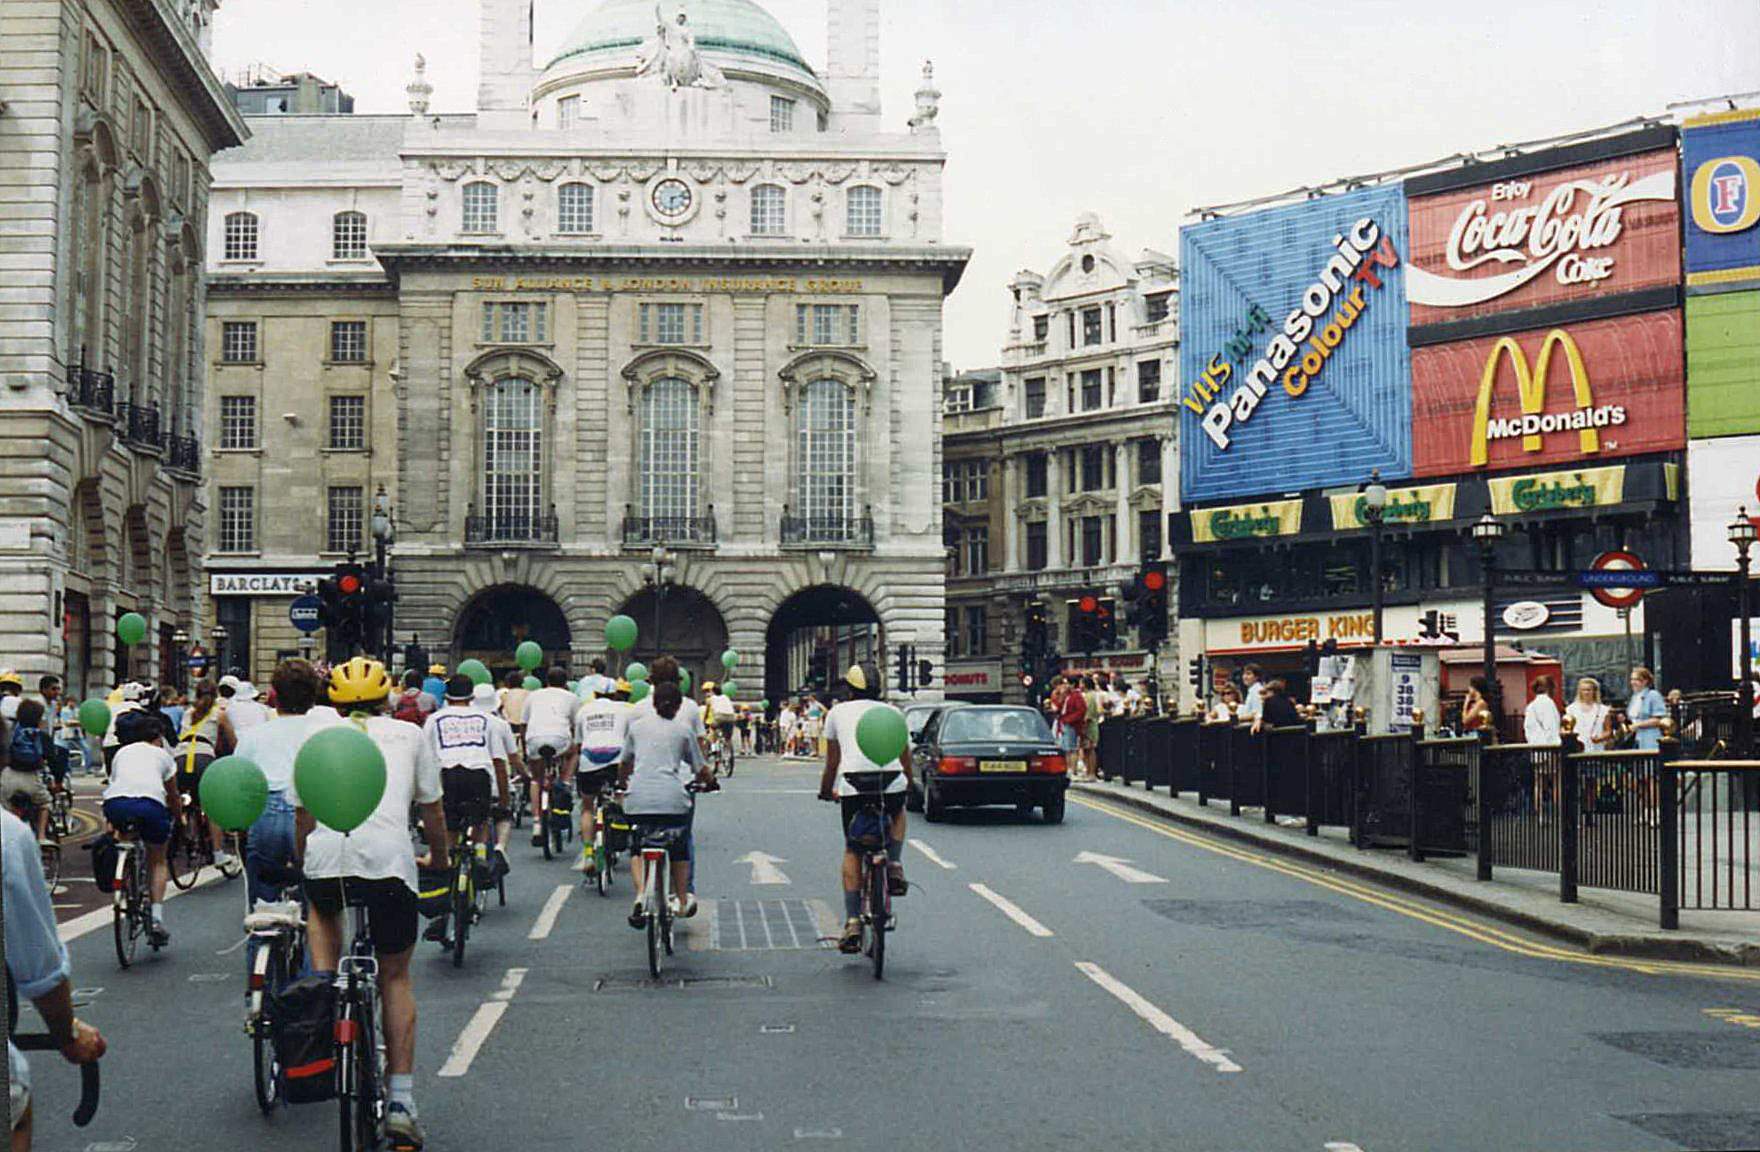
142,797
1592,718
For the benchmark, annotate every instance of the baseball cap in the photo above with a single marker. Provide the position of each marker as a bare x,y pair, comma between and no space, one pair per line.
460,688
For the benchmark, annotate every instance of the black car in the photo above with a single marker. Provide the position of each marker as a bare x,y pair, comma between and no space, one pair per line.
916,718
978,754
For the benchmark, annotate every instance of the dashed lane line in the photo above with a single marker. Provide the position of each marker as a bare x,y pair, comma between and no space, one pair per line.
1012,910
934,857
480,1025
1157,1019
546,920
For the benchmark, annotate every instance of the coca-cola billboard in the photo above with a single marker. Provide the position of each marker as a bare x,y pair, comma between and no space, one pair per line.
1531,234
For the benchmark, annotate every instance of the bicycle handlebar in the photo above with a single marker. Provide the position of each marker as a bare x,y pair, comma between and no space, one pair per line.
89,1082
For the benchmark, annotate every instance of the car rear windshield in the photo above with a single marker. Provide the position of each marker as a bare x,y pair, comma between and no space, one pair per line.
980,725
916,718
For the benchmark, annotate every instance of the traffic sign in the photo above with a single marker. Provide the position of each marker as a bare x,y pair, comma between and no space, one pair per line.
1613,565
305,613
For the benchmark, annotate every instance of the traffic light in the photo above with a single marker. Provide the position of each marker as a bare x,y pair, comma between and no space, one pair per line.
1085,624
342,605
904,668
1108,624
1195,672
381,596
1151,606
925,673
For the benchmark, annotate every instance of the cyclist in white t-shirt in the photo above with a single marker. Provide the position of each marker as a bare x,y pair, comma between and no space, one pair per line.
848,777
599,729
549,738
472,748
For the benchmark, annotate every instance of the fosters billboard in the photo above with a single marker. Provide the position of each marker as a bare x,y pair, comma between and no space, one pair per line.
1293,356
1720,169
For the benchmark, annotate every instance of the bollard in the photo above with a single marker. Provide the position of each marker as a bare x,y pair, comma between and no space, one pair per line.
1311,782
1668,856
1482,804
1568,815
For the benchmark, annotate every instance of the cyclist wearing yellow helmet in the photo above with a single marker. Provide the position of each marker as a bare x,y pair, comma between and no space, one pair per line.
848,776
378,866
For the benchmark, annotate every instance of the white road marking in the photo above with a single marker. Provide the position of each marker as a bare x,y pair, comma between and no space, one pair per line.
1341,1146
793,936
1012,910
934,857
552,909
482,1022
1159,1020
1119,868
764,868
89,922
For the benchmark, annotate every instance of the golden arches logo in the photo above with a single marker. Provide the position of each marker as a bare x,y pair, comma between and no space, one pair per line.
1531,389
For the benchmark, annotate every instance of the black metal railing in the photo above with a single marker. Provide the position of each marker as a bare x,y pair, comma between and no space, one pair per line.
91,390
507,529
183,454
680,530
1709,837
828,531
140,425
1522,794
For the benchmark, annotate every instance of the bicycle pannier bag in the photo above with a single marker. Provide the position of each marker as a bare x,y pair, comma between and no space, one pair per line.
304,1016
104,853
433,891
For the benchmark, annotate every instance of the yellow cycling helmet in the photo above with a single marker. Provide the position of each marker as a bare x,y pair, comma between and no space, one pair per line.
436,669
360,681
708,687
8,676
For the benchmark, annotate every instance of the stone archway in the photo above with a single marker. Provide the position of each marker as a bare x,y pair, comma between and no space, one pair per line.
814,635
691,631
497,620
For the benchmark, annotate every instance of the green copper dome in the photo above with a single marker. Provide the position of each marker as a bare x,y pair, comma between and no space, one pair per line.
619,28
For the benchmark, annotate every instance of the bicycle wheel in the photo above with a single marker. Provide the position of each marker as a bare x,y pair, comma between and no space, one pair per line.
656,910
877,914
51,853
267,1078
463,903
602,866
123,918
367,1085
183,859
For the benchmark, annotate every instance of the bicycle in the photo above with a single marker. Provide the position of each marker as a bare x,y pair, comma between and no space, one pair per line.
610,826
723,751
48,849
192,848
869,835
279,931
360,1052
60,806
541,817
657,915
558,816
131,907
522,799
468,897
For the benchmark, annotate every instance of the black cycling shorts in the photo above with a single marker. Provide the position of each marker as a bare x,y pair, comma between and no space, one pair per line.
676,825
467,795
390,905
592,782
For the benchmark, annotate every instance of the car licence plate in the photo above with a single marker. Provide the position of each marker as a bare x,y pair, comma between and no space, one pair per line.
1002,765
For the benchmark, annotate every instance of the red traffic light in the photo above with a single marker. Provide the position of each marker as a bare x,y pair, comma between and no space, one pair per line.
1154,580
1088,604
349,583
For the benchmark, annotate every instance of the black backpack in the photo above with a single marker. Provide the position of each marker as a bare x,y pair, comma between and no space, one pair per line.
304,1027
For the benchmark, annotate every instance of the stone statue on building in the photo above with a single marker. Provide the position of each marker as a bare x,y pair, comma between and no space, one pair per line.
673,55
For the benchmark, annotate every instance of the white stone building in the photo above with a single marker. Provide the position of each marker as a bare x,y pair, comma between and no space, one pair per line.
677,291
109,112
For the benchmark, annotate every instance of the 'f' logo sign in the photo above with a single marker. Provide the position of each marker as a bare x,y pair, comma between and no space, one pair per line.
1726,194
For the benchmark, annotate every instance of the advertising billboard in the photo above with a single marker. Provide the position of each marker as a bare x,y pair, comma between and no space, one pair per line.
1723,481
1294,367
1720,173
1544,231
1570,394
1723,364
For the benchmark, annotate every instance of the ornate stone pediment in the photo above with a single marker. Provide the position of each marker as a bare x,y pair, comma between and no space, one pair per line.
674,364
828,364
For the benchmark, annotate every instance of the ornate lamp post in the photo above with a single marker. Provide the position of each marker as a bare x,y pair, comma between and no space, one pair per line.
1488,531
180,665
382,537
1742,534
662,562
1374,508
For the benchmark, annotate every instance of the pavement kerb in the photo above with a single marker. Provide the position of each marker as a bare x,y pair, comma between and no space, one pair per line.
1684,948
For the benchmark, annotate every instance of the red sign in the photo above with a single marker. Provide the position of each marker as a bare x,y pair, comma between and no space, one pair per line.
1570,395
1551,238
1617,597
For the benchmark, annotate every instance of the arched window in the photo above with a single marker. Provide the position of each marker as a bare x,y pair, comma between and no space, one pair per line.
348,236
137,306
669,443
574,209
513,459
769,210
479,207
90,239
240,237
865,214
826,459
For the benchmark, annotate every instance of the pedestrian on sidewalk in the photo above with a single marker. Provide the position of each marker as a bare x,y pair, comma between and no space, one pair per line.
1592,720
1276,709
1252,692
1541,721
1646,710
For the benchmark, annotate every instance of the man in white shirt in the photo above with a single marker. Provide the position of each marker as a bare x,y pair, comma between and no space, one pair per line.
472,748
599,729
849,776
1253,698
273,747
549,739
242,709
597,683
142,793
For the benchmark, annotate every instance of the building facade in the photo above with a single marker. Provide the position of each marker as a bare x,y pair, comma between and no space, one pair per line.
657,330
109,112
1064,484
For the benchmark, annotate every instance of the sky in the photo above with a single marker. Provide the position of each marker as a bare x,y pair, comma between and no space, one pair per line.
1138,110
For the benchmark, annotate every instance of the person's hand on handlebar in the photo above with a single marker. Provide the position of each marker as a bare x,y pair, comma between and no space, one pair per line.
87,1045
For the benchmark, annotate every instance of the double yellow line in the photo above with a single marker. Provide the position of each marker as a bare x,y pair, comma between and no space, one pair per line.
1485,934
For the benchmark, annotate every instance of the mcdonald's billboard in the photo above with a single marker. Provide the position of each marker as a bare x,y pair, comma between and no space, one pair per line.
1574,394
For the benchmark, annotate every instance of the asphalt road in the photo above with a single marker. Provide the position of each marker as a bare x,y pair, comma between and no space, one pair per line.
1198,996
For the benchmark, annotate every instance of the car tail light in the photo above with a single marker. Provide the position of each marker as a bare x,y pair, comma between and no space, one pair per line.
1053,764
958,765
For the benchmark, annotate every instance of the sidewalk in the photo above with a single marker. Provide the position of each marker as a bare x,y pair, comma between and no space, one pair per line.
1602,921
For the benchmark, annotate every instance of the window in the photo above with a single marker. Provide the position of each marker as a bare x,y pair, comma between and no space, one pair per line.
348,236
1148,381
141,132
238,422
479,207
513,458
950,629
769,210
238,342
1093,541
825,487
670,324
97,69
1149,536
348,423
1038,475
977,550
345,527
863,203
1091,389
514,323
1037,556
1071,317
240,236
1090,326
670,430
977,634
1148,462
1094,467
781,114
238,520
348,341
568,112
1041,328
574,209
965,480
827,324
1157,306
1035,397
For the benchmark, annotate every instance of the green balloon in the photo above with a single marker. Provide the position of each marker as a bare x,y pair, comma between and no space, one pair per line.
477,671
131,628
340,776
638,691
731,688
573,685
881,734
729,658
94,717
636,671
620,633
764,704
684,681
234,792
531,684
529,655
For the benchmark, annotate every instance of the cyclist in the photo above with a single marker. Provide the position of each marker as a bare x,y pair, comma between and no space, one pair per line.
242,706
143,789
129,697
597,683
377,863
27,756
472,748
844,760
549,729
273,748
599,729
207,733
660,755
512,702
722,714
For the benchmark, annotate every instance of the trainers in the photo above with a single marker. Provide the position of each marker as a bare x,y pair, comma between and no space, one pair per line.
895,881
158,935
436,932
400,1131
851,941
638,916
499,865
583,862
684,907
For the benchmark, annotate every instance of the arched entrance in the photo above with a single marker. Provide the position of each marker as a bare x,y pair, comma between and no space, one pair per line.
691,631
499,619
816,634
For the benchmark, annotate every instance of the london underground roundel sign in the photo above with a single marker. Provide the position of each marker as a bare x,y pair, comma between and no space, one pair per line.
1617,597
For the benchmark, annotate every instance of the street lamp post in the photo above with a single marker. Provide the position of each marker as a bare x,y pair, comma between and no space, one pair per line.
1742,534
662,561
1488,531
1374,509
180,664
382,537
220,634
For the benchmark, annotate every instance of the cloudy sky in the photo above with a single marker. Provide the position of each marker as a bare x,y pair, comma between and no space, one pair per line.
1138,110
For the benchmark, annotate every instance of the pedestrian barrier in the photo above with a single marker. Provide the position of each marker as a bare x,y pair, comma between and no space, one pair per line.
1708,839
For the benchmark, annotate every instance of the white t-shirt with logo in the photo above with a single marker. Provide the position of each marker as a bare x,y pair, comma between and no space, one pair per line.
599,729
840,726
550,717
463,737
139,772
380,849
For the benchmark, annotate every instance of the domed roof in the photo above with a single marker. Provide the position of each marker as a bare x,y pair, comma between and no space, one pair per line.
723,27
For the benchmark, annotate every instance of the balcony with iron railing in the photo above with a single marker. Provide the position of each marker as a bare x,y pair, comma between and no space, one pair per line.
673,531
140,426
828,530
91,391
183,454
510,530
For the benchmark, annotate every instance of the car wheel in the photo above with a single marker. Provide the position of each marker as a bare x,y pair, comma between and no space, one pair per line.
933,809
1053,808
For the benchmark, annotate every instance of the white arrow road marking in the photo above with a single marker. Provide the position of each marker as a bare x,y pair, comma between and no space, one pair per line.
481,1023
1120,868
1159,1020
934,857
552,909
1012,910
764,868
